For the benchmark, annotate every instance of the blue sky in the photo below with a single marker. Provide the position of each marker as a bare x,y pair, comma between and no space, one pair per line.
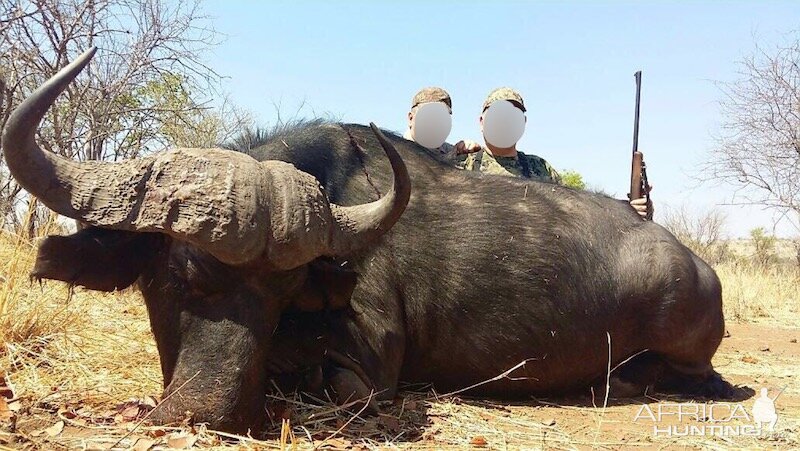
572,62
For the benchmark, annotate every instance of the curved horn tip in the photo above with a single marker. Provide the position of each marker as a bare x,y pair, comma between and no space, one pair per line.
375,128
383,140
77,64
88,53
83,59
70,71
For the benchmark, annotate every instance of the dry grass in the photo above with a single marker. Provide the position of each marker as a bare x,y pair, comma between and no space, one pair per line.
764,295
58,340
78,357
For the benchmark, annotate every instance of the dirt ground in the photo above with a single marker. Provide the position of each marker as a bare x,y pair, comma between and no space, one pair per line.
753,355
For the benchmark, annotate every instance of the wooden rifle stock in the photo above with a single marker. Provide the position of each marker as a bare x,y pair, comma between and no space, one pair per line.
637,166
639,185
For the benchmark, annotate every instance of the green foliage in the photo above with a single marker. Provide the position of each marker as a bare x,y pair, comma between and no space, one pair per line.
764,246
168,103
573,179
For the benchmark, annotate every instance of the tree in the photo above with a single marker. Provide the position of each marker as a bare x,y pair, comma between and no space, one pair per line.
759,146
143,81
210,128
701,232
573,179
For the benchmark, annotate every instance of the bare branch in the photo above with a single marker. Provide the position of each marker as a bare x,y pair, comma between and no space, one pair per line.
758,147
148,85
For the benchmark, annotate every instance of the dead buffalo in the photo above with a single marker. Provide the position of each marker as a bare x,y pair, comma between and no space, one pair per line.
252,270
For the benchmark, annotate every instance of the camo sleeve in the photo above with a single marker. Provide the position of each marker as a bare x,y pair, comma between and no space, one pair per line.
542,170
463,161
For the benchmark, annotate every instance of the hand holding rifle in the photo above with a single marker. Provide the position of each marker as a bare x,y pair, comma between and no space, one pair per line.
639,194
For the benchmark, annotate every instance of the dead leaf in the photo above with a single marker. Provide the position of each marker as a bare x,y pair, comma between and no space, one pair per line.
335,443
748,359
411,405
130,413
549,422
5,412
181,441
479,440
764,349
55,429
80,422
156,433
143,444
370,424
389,422
6,389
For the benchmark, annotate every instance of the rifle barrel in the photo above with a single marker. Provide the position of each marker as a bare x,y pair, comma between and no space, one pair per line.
638,77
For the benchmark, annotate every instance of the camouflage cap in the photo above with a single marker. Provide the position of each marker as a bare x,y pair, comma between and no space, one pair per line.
432,94
504,93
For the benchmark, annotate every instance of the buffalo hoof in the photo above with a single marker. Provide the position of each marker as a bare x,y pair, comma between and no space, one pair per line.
712,387
197,410
352,391
715,387
620,388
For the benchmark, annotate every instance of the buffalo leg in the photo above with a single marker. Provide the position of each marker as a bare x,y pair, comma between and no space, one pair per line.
374,340
635,378
349,388
697,327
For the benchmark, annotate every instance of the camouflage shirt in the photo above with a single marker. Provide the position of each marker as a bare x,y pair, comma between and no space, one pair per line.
522,165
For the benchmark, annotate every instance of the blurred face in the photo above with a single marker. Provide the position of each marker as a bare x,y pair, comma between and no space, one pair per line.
502,124
430,124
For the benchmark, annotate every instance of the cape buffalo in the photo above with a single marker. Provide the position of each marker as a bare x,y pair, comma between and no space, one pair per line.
249,273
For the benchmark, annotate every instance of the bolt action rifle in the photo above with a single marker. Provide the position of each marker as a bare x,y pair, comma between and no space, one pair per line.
639,185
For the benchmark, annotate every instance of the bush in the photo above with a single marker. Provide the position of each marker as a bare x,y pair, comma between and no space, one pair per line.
573,179
797,249
764,247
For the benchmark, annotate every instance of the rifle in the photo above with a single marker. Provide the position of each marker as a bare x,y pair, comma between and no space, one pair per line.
639,185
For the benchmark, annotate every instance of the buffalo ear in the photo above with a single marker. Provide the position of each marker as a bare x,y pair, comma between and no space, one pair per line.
327,284
98,259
